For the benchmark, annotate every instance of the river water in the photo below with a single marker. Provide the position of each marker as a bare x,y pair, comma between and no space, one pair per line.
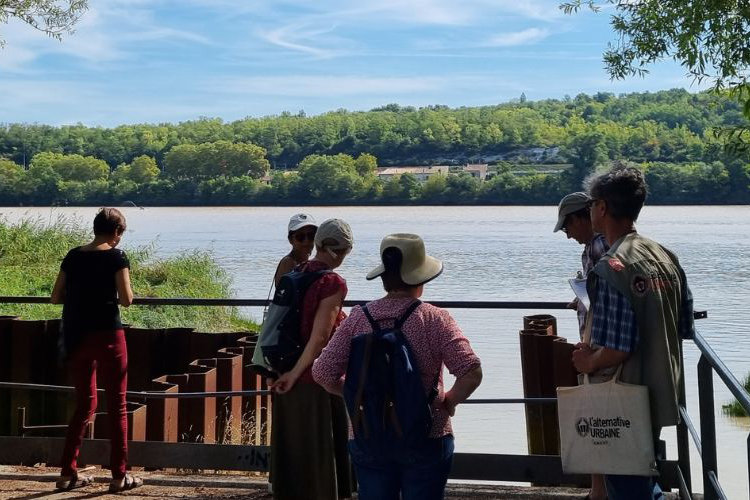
490,253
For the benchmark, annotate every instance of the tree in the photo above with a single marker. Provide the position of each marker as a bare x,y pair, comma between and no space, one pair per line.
52,17
141,170
585,151
366,164
11,174
72,167
709,39
214,159
330,178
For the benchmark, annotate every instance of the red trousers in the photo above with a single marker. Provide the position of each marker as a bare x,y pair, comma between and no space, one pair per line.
104,354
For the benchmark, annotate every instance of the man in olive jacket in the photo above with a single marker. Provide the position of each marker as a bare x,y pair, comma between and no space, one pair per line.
641,307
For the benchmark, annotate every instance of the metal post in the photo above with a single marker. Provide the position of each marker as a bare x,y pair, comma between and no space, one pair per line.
21,411
683,436
708,425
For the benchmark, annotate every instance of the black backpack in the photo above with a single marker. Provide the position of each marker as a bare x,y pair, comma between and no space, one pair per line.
383,391
280,344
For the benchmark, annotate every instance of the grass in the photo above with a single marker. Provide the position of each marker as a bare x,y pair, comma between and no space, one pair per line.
30,255
735,409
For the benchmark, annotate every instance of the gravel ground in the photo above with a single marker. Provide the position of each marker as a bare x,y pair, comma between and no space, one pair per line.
38,482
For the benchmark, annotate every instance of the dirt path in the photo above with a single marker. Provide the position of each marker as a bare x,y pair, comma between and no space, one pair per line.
38,482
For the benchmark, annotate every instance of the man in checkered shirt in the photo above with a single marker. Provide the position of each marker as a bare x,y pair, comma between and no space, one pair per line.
641,307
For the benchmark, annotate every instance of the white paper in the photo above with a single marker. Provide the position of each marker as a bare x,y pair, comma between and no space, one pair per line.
579,288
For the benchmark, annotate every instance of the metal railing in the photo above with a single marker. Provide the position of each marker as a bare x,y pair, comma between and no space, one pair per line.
516,466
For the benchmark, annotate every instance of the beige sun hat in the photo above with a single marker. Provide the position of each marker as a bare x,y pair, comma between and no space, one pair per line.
416,266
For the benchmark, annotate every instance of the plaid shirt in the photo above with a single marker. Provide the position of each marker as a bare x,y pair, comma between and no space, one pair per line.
614,324
592,252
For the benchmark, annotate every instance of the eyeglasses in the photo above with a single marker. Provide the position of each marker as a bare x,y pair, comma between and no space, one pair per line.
306,235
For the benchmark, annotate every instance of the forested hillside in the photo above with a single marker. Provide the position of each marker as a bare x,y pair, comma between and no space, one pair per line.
670,134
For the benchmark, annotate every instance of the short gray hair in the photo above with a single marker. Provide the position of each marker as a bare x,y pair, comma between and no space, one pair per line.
622,188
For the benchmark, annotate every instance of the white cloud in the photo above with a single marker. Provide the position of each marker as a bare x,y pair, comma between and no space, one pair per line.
524,37
298,38
106,32
312,31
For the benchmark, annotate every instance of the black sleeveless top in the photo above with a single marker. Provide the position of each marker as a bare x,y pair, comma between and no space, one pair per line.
90,293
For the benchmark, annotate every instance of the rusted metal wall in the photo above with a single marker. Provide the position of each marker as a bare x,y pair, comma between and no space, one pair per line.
546,364
161,415
168,360
136,423
5,373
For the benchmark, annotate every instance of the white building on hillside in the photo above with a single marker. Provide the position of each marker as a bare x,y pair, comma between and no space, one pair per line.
421,173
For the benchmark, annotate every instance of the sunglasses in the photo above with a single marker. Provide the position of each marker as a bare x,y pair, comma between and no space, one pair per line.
306,235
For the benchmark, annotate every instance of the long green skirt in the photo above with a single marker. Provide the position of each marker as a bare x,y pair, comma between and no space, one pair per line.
309,455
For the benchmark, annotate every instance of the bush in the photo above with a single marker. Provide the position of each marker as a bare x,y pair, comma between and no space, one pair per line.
735,409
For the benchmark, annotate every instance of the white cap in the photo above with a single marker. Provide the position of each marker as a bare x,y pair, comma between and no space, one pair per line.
334,234
298,221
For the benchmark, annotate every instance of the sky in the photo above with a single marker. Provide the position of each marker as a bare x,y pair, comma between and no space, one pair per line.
153,61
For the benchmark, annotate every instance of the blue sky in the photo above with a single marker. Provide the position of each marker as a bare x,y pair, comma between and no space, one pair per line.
135,61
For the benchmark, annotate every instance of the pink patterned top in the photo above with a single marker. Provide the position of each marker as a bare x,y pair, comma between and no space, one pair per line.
433,335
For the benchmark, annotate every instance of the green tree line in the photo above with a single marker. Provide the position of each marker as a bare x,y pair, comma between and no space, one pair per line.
670,134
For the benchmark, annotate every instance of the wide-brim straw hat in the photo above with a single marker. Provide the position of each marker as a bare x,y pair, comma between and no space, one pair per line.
417,267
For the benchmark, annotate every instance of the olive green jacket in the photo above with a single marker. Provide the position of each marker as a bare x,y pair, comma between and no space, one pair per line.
651,279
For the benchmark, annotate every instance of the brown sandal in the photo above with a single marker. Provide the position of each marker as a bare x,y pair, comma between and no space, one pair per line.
128,482
73,482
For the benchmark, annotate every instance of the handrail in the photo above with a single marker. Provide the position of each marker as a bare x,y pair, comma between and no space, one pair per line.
723,371
447,304
222,394
191,301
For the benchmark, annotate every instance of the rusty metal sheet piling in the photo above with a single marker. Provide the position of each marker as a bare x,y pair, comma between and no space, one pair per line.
28,364
5,373
137,417
146,356
162,416
196,417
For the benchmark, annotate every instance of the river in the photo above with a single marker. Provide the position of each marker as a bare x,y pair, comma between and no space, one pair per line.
490,253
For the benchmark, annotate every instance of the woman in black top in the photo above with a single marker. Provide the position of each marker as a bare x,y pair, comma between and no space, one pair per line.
93,280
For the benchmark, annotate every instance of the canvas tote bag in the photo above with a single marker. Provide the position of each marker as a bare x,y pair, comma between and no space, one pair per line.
605,428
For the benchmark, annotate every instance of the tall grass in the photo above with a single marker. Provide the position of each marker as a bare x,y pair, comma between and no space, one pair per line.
735,409
30,255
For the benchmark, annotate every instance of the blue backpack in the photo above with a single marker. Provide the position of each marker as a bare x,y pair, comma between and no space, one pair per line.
383,391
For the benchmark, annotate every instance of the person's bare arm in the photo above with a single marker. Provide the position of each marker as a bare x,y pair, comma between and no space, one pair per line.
124,292
325,318
285,265
462,389
588,360
58,291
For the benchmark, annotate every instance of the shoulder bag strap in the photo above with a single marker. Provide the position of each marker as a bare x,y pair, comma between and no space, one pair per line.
358,420
400,321
373,323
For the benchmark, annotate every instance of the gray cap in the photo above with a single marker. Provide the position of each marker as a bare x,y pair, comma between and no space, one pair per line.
335,233
568,205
